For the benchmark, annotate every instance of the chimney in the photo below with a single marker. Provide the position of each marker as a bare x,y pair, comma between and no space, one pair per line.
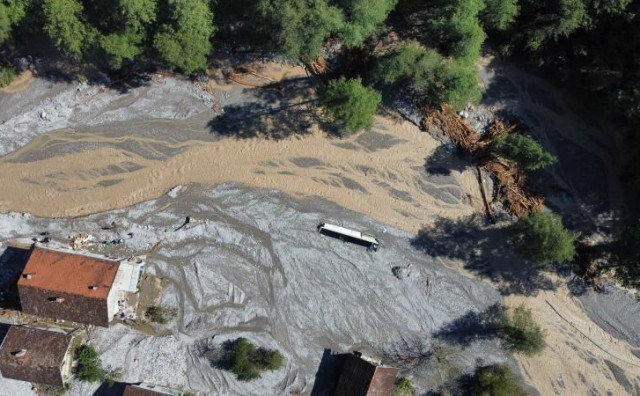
19,353
93,287
28,276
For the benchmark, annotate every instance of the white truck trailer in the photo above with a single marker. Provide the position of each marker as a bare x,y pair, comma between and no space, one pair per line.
345,234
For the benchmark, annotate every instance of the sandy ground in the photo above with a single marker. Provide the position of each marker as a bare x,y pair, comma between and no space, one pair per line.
20,83
113,153
252,264
381,173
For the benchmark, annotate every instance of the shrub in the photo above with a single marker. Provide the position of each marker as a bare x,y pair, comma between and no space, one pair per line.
7,74
497,380
523,151
403,387
350,103
159,314
247,361
541,238
89,368
522,334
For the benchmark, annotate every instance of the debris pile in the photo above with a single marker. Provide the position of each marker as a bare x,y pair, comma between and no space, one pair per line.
512,187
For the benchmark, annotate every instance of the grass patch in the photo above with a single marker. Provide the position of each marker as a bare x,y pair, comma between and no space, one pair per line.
52,390
7,74
403,387
162,315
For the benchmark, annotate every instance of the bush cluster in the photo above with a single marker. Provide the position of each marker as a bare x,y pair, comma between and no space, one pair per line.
88,368
247,361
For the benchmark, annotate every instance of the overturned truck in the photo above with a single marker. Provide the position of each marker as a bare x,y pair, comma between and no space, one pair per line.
347,235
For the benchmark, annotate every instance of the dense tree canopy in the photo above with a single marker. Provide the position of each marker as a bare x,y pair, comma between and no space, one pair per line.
11,12
363,18
65,27
125,39
300,27
432,78
184,41
456,27
499,14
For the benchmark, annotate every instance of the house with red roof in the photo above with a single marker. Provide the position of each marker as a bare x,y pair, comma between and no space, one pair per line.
64,285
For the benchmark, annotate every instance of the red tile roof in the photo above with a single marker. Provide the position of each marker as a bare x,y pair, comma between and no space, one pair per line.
69,273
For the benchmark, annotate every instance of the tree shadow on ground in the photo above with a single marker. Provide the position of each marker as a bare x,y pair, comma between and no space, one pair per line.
328,373
278,111
12,263
484,250
118,80
473,326
443,161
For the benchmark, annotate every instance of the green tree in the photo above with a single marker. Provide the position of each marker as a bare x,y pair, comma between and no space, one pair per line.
523,151
430,77
499,14
11,12
411,65
126,39
362,19
64,25
542,239
456,27
184,42
89,368
247,361
497,380
546,20
460,84
522,334
300,27
350,103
